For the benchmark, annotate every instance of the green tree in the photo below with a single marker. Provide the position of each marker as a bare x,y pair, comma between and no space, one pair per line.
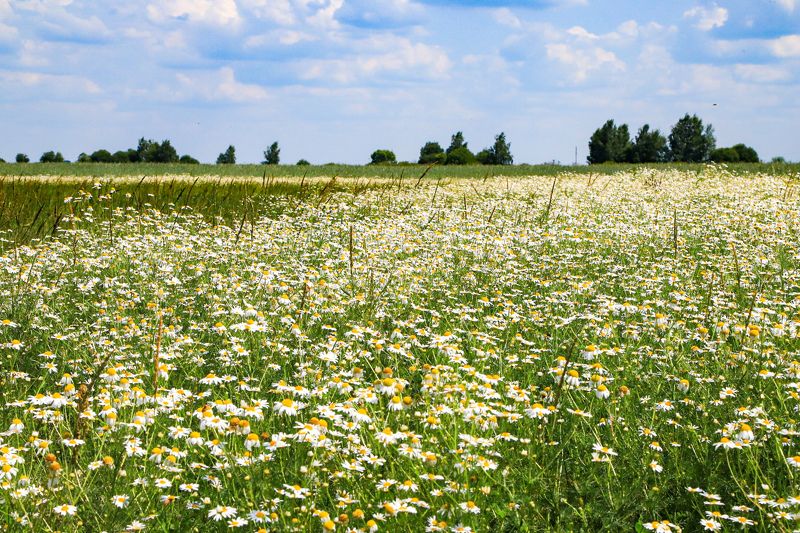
22,158
724,155
746,153
382,157
460,156
188,160
432,153
51,157
228,157
609,143
484,157
649,146
456,142
500,152
83,157
690,141
163,153
302,163
272,155
102,156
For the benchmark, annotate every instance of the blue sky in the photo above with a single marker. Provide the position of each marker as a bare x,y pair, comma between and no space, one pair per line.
332,80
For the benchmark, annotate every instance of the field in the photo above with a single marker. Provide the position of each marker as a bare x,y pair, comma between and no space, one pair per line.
567,352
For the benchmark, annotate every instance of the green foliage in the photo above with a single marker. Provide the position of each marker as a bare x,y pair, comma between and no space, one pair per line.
149,151
51,157
228,157
779,160
101,156
272,155
22,158
498,154
188,160
460,156
484,157
690,141
746,153
456,142
84,158
303,163
382,157
610,143
126,156
725,155
649,147
432,152
738,153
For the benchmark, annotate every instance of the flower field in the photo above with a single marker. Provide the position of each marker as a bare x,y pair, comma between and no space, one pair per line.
613,352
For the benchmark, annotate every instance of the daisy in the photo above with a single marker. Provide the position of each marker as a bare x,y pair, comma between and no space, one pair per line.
65,510
220,511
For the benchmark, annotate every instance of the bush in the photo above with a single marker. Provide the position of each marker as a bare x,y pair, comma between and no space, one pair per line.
22,158
382,157
102,156
432,153
461,156
725,155
302,163
228,157
51,157
188,160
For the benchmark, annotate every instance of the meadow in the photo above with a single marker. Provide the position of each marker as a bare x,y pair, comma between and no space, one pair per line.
571,351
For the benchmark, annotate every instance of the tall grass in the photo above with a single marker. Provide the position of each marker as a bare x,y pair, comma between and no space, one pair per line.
90,170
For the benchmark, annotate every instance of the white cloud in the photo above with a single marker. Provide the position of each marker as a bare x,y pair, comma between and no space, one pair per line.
54,83
214,12
788,5
707,18
761,73
279,11
505,17
786,46
5,9
581,61
219,85
8,34
582,33
390,55
285,37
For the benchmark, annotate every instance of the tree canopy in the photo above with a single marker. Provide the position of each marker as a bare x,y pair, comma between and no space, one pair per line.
610,143
690,141
228,157
272,155
382,157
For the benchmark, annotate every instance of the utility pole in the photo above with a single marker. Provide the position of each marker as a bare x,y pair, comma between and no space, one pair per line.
576,155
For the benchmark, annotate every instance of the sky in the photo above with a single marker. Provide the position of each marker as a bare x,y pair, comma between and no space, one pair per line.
333,80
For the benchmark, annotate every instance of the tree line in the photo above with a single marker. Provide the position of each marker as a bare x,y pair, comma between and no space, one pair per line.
458,153
150,151
689,141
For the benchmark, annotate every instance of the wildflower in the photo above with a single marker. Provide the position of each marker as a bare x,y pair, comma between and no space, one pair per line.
120,501
65,510
220,511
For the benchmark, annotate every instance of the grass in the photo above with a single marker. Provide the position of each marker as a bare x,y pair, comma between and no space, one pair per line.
103,170
575,353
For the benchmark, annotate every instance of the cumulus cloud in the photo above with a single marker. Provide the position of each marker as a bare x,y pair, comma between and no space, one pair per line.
788,5
580,61
54,84
761,73
213,12
707,18
219,85
786,46
381,55
506,17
